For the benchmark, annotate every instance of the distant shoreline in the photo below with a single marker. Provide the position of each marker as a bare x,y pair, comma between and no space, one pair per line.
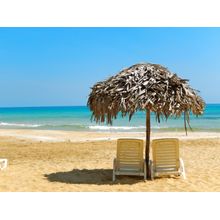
79,136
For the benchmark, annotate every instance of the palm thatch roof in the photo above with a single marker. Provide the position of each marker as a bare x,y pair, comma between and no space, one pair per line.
140,87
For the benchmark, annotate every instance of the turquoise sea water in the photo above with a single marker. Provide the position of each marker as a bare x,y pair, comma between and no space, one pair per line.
77,118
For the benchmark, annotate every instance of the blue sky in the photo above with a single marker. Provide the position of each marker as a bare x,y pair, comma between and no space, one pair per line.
57,66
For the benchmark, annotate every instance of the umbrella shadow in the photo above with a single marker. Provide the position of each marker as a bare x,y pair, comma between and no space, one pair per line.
94,176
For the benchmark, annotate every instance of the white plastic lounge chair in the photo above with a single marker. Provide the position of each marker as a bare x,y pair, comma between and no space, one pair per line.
129,160
3,164
166,160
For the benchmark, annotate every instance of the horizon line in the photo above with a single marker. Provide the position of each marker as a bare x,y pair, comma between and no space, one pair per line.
53,106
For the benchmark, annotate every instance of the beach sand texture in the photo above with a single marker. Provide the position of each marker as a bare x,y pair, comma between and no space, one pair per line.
85,165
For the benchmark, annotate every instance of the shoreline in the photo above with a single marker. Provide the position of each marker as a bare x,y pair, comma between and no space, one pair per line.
83,136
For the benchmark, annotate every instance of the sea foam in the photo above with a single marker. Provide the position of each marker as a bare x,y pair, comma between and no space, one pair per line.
4,124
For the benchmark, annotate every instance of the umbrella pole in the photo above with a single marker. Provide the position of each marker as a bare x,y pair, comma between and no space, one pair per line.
147,149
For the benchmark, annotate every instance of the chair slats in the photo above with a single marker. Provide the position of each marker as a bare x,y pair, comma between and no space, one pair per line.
129,160
166,155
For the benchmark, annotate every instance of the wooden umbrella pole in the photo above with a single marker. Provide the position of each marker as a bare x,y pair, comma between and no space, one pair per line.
147,149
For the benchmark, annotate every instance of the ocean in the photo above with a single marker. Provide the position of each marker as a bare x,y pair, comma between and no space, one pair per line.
78,118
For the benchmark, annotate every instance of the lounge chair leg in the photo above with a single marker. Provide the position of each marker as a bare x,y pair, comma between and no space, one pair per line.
114,168
145,170
113,177
151,170
182,169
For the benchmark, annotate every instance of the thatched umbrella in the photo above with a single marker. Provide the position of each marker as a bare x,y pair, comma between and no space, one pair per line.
149,87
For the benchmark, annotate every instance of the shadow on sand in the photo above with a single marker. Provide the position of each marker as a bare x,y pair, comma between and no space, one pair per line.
95,176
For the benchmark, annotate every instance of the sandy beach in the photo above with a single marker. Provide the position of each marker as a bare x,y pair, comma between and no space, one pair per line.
82,161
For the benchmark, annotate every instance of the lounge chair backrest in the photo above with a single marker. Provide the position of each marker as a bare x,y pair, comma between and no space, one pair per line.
166,153
130,153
